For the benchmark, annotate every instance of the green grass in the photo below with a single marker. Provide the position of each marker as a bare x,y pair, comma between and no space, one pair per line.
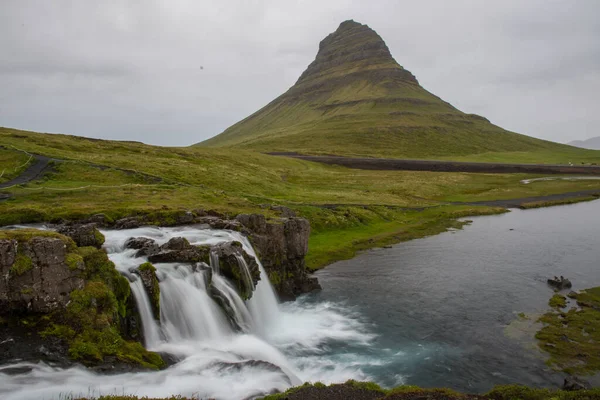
349,210
539,204
12,163
558,301
572,338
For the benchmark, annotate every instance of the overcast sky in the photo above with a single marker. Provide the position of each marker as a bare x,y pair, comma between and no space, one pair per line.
175,72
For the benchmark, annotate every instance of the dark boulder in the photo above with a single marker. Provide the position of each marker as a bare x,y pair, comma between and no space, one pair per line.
83,234
145,246
128,223
179,250
560,283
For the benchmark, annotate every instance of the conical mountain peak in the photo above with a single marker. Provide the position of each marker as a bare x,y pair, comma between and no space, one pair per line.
352,48
355,99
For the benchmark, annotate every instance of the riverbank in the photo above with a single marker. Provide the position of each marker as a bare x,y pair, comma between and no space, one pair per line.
371,391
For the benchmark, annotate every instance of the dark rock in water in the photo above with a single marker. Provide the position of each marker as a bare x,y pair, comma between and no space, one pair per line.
282,246
572,383
25,344
147,273
560,283
37,275
145,246
229,255
225,305
180,250
177,243
83,234
16,370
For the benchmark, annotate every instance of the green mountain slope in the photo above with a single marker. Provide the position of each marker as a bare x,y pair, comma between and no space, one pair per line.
355,99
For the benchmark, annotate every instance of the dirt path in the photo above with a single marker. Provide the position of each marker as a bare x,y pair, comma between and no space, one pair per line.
33,172
391,164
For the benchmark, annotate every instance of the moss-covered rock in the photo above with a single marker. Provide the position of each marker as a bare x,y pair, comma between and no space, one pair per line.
558,301
83,234
147,273
572,338
72,294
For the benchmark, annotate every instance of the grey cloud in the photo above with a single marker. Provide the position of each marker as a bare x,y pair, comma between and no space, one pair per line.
131,70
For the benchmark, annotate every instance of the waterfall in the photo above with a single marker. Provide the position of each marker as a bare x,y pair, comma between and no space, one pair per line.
240,311
150,329
244,350
186,310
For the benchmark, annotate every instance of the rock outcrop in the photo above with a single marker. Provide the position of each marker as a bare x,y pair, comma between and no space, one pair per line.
238,266
560,283
282,246
83,234
180,250
280,243
147,273
37,275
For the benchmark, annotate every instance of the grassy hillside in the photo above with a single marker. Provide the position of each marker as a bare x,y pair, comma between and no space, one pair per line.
356,100
349,210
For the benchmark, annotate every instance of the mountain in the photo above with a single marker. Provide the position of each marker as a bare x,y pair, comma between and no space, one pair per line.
592,143
355,99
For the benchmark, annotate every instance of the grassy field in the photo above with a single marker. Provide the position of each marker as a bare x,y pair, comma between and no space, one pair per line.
12,163
349,210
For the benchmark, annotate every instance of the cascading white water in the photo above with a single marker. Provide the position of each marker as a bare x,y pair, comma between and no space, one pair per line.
269,352
150,330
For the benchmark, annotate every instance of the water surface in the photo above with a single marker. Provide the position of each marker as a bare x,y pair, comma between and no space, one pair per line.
440,305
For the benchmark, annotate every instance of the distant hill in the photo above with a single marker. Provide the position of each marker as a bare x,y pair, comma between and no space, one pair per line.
355,99
592,143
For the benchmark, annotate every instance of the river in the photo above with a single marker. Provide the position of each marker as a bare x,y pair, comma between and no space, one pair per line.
430,312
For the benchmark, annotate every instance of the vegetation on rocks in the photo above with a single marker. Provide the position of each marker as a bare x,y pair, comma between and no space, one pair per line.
147,272
22,264
91,323
572,337
558,301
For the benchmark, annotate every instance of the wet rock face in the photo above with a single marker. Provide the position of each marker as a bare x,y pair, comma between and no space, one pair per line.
282,247
145,246
35,276
180,250
83,234
230,254
147,273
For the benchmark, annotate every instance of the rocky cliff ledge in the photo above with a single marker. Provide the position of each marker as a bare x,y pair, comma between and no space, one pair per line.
280,243
61,303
